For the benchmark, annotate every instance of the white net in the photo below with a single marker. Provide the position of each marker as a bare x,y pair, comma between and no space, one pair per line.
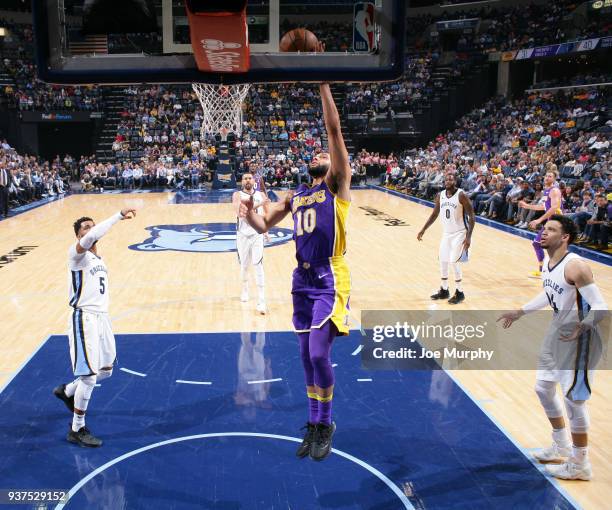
222,105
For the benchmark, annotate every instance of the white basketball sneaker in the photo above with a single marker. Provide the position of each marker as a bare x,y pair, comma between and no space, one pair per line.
571,471
261,307
554,453
244,297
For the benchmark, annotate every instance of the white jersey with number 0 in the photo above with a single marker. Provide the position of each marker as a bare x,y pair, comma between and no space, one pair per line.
243,227
88,281
451,212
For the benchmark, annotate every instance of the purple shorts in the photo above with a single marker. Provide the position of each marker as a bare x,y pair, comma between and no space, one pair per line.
320,292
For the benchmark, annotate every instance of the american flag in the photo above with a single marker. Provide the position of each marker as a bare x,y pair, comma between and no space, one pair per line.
88,44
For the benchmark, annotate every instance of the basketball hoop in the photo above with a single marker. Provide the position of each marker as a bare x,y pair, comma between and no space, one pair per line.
222,105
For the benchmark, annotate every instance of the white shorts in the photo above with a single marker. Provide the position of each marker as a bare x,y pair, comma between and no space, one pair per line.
92,343
451,247
571,364
250,248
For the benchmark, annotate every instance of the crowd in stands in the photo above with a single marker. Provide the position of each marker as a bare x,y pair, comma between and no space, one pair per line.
511,27
29,178
416,85
28,92
502,151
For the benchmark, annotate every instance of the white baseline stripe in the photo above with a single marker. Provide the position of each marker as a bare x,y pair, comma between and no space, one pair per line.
265,381
364,380
139,374
182,381
394,488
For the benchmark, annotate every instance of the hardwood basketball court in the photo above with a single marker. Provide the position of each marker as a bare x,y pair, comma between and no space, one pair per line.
168,291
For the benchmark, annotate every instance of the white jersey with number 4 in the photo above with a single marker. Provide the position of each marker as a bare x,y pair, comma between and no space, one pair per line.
451,212
88,281
243,226
564,298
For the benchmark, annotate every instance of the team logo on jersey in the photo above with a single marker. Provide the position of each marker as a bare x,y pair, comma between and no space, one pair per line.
202,237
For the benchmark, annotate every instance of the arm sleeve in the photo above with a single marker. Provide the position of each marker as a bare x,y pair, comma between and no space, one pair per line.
75,258
599,308
537,303
97,231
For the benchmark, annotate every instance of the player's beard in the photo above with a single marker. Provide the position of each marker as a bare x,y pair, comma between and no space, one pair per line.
317,171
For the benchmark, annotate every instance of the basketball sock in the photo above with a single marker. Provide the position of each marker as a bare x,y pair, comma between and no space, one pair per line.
580,454
82,395
313,409
78,422
444,275
71,388
561,437
325,412
458,286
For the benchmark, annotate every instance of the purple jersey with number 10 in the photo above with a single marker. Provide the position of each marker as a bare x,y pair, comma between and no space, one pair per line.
321,282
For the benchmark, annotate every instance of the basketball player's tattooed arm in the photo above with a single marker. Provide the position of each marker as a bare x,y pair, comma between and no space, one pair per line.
469,210
432,217
275,213
578,273
94,233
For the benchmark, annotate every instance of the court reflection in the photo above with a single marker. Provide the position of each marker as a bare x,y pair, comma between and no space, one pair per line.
253,367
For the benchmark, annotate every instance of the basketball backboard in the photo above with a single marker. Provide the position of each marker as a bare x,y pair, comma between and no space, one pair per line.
76,43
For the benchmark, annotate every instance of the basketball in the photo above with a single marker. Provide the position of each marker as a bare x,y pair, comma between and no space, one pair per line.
298,39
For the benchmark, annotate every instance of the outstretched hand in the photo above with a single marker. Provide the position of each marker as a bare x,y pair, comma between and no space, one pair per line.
128,213
509,317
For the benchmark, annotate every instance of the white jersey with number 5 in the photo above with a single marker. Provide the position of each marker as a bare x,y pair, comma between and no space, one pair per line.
451,212
243,226
88,281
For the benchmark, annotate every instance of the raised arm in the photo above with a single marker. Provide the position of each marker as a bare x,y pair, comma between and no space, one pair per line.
274,213
432,217
339,175
98,231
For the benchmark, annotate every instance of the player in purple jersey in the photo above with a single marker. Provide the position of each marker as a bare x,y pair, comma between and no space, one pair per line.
321,282
552,205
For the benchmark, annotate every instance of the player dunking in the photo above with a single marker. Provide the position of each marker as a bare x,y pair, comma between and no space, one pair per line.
458,224
92,344
250,243
321,282
551,205
578,307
